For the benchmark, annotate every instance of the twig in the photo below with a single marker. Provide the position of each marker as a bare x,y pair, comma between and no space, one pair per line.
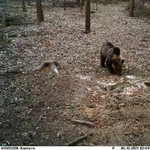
26,114
76,140
84,122
10,72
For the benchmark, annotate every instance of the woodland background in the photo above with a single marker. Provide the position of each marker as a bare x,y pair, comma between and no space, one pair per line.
40,107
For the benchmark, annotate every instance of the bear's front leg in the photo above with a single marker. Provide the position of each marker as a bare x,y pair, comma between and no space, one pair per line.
110,68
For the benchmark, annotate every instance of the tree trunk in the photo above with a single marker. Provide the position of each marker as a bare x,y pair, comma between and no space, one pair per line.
96,4
143,1
6,5
39,10
87,16
29,2
81,5
24,6
131,13
53,3
65,5
78,3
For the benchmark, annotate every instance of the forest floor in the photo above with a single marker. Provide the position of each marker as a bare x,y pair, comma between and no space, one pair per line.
37,108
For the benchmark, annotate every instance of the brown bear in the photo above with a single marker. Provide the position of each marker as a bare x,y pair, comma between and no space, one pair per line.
111,55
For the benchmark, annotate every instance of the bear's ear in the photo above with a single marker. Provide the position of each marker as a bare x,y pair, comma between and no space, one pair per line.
122,61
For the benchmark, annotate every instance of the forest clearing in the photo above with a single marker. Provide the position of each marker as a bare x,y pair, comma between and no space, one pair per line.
44,108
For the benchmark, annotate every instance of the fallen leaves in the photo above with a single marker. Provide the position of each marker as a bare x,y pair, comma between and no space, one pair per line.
111,102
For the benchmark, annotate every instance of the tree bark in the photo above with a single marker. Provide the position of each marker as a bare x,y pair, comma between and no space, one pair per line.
39,10
87,16
53,3
78,3
65,5
81,5
29,2
24,6
6,5
131,13
96,4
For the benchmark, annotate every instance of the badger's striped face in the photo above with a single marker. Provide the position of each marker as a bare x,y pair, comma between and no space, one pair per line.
117,65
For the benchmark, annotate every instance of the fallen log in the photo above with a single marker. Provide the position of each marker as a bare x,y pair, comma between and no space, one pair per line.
73,142
84,122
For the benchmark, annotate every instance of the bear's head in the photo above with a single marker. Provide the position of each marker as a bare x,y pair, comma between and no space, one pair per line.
117,64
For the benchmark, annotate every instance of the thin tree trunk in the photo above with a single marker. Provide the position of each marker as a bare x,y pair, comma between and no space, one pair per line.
87,16
81,5
143,1
96,4
39,10
53,3
6,5
29,2
131,13
24,6
65,5
78,3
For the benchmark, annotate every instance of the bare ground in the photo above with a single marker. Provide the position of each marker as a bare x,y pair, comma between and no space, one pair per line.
36,108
